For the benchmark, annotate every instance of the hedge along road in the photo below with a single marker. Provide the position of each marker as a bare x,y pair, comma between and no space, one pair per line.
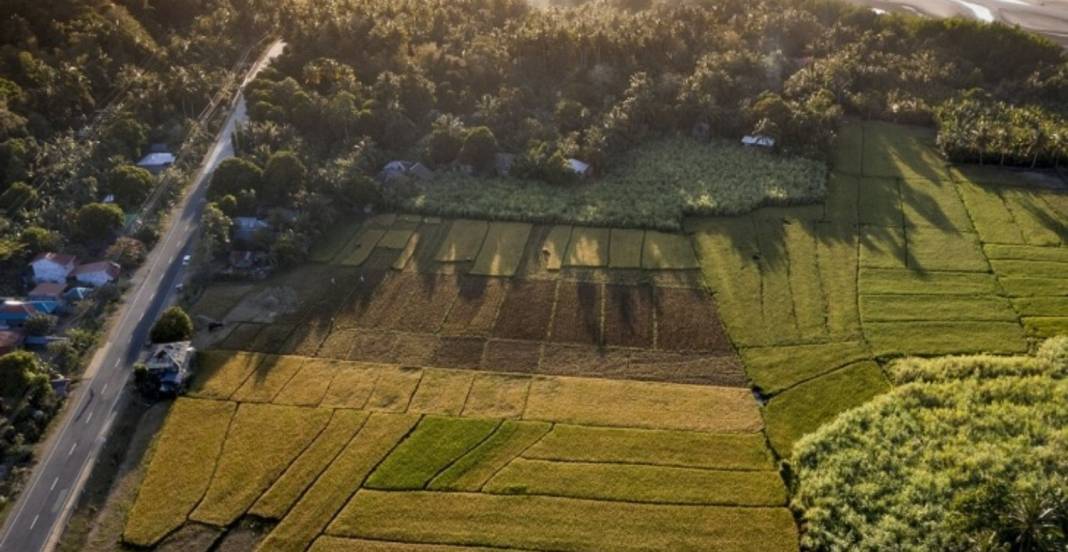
38,517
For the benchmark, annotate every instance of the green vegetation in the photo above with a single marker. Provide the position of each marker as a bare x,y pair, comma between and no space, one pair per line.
588,247
434,445
310,515
262,441
560,523
639,483
302,473
662,251
471,471
183,461
654,187
463,241
503,249
571,443
625,248
977,440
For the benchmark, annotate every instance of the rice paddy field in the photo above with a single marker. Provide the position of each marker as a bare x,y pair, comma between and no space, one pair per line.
434,384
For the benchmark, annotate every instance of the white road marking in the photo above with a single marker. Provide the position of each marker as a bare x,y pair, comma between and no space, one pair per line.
53,486
980,12
59,500
89,417
34,522
72,447
104,389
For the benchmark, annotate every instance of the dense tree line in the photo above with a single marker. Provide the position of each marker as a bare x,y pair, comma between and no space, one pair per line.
976,128
139,69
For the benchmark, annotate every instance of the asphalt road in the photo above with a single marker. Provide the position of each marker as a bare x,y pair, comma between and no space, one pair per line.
1045,17
38,517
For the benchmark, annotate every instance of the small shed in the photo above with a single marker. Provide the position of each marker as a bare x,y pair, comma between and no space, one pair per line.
171,363
758,140
13,314
399,168
246,228
156,161
580,168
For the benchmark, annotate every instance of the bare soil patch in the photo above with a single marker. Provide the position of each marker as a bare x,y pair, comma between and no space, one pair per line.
583,360
337,344
271,338
191,537
687,320
526,311
718,369
628,316
415,349
358,299
428,303
372,346
459,352
384,308
241,338
512,356
475,309
578,313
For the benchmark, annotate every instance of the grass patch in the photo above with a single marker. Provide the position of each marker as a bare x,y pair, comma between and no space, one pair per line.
849,148
637,483
220,374
554,247
1043,306
807,406
497,396
503,249
654,187
806,287
894,281
540,523
396,238
1039,223
879,202
588,247
329,245
625,248
378,436
351,386
776,299
649,405
309,386
262,441
934,203
335,544
726,248
662,251
943,338
727,451
182,463
1026,253
836,252
409,250
1031,287
883,249
441,392
360,247
434,445
463,241
268,379
286,490
992,218
219,299
473,469
901,151
951,308
935,249
1046,326
1030,269
394,388
774,369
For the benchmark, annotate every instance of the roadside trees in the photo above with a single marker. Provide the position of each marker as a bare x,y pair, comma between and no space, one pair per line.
173,325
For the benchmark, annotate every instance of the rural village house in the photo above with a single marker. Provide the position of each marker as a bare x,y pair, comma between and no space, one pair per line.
758,140
397,169
97,274
171,364
580,168
246,228
13,314
52,267
157,159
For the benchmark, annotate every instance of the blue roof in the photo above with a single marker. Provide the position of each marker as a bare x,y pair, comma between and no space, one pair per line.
47,307
77,293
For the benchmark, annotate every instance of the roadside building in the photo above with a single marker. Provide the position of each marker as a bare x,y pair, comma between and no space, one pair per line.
10,341
410,169
48,292
246,228
76,293
100,273
758,141
171,364
52,267
157,159
14,314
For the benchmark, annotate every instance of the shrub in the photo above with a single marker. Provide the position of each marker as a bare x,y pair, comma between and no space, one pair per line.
968,454
479,148
173,325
